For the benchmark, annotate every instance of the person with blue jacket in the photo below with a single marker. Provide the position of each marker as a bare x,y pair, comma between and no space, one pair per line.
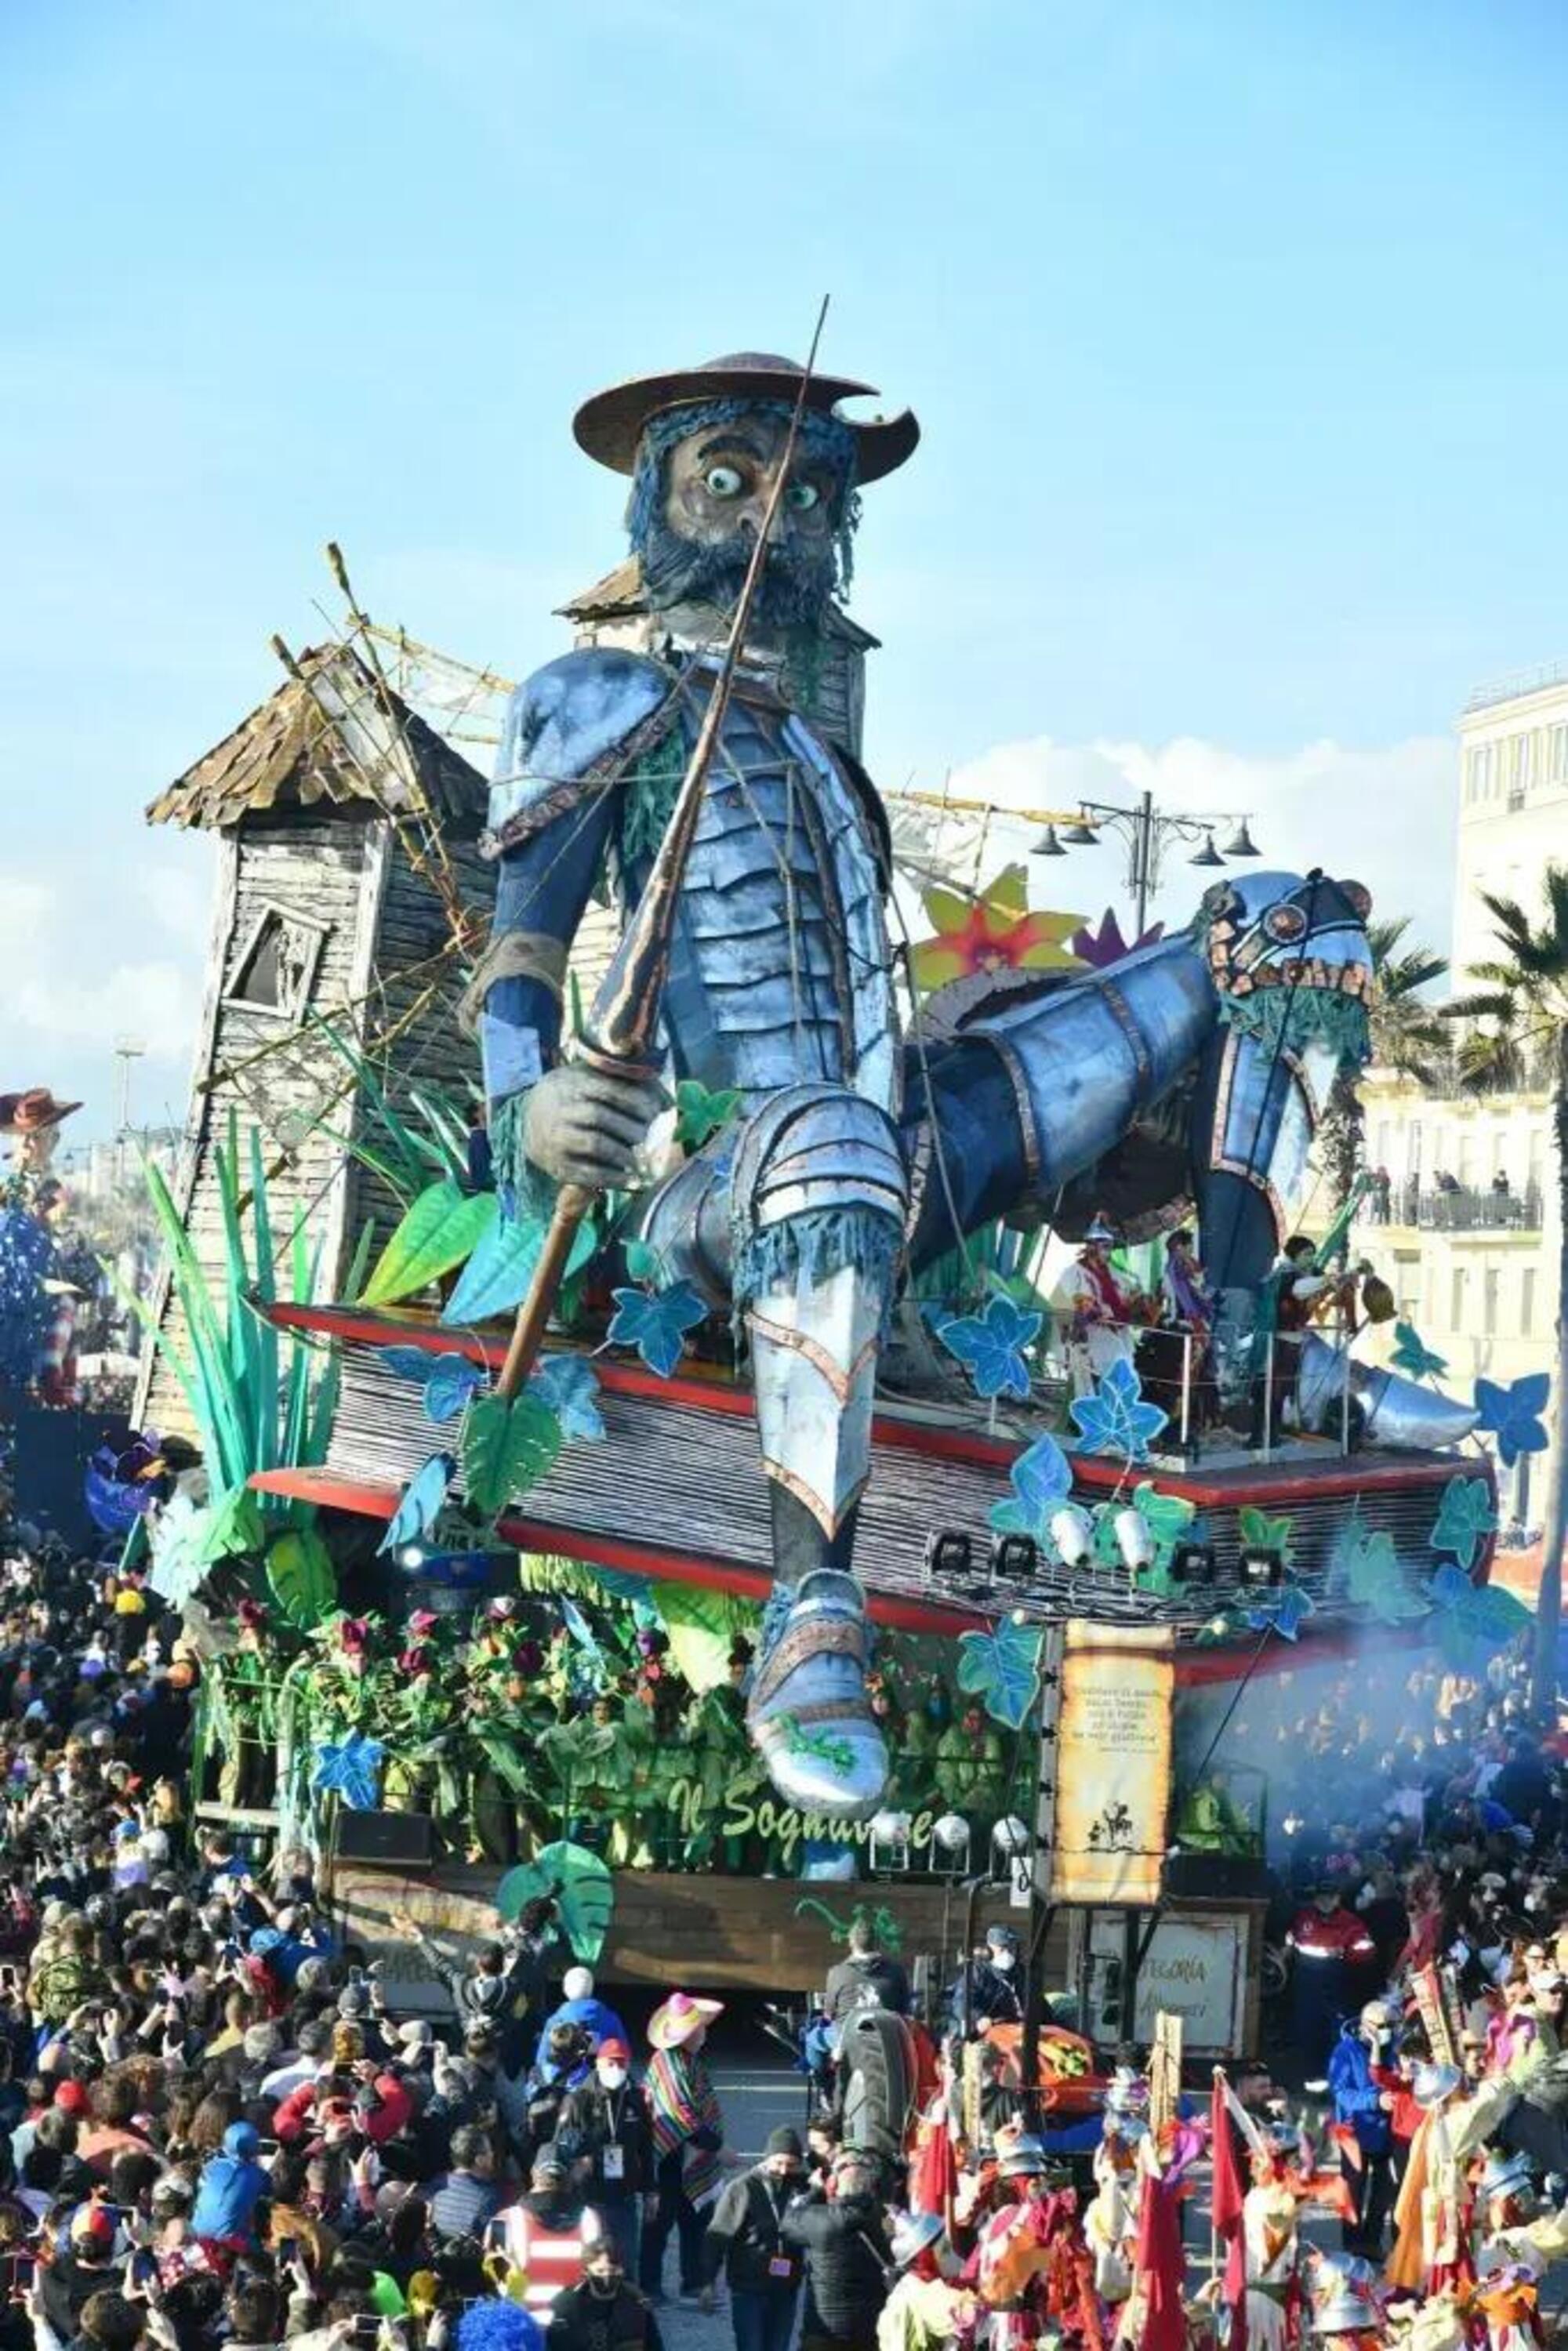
231,2185
1359,2079
580,2006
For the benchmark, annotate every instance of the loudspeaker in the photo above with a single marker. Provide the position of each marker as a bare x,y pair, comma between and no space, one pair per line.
400,1841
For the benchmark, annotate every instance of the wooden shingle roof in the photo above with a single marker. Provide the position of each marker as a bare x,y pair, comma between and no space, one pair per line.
338,737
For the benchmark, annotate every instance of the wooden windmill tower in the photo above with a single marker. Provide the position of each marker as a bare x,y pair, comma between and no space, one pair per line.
350,891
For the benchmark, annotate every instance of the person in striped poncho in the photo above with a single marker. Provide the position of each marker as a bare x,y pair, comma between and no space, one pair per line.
688,2132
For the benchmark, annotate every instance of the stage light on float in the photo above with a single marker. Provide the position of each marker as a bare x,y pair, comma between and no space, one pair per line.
950,1845
1261,1565
1009,1838
1014,1558
1073,1532
949,1555
1193,1562
1134,1540
412,1557
890,1843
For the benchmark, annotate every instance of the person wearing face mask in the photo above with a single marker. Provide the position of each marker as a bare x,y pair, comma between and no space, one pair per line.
986,1992
605,2312
745,2239
1360,2077
605,2134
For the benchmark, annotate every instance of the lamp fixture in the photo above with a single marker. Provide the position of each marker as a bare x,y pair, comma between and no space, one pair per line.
1080,835
1259,1564
1208,855
1241,844
1048,845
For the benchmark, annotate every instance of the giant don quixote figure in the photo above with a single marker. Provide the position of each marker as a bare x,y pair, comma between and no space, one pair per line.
853,1154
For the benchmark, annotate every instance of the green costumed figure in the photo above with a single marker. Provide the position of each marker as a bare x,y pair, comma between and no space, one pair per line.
726,1760
971,1772
1209,1820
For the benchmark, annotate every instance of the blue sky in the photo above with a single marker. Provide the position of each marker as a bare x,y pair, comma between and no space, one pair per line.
1236,332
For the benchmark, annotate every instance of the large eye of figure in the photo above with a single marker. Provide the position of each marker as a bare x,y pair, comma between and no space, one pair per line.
724,481
802,496
1285,924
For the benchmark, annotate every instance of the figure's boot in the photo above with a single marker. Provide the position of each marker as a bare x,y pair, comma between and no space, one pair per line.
799,1218
818,1194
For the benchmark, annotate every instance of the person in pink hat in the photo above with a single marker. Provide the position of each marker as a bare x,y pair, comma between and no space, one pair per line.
687,2132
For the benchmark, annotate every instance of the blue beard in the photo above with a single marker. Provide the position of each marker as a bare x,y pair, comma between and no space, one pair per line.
792,593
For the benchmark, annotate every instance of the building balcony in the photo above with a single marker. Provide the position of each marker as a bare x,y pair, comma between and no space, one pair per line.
1457,1209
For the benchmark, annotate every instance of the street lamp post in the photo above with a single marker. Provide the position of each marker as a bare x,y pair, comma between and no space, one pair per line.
1145,830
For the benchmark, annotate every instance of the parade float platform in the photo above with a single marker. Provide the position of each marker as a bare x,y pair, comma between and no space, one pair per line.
675,1492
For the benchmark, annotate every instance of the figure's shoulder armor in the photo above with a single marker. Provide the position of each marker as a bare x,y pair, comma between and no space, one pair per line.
561,723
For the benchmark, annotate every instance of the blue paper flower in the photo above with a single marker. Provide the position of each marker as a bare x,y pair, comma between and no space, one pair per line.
1411,1354
571,1388
1285,1612
349,1768
1472,1621
990,1346
406,1363
1116,1419
1512,1415
1466,1514
1041,1480
657,1322
421,1503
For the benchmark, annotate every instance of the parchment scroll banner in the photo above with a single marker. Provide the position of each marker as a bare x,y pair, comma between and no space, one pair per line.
1113,1765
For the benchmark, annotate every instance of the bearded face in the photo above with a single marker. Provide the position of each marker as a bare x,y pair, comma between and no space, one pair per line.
700,498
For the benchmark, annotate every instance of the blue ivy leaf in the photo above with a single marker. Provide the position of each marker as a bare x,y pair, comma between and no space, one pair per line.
1473,1622
349,1768
406,1363
656,1323
420,1503
1285,1612
1411,1354
1464,1516
571,1388
450,1385
1116,1419
581,1631
1041,1480
1512,1415
998,1668
990,1346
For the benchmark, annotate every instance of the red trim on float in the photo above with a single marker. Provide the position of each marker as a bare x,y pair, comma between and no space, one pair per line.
368,1501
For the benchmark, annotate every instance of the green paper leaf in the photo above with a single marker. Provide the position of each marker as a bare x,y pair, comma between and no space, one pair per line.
1260,1532
301,1578
501,1269
699,1113
583,1888
437,1233
998,1667
1375,1581
234,1524
1168,1518
702,1627
1464,1516
507,1449
642,1261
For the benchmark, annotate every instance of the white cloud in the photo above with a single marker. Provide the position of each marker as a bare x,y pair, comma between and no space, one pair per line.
1386,817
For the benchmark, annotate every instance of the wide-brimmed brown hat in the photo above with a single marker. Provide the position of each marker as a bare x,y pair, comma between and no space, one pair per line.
609,425
30,1111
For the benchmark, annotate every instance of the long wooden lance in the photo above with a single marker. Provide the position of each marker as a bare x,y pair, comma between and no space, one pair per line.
618,1033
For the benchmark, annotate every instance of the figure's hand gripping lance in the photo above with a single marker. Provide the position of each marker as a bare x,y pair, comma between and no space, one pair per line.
619,1029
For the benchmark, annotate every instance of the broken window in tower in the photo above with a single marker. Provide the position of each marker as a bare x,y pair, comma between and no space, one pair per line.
275,969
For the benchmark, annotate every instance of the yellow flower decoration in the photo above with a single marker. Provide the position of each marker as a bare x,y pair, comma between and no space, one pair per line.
994,931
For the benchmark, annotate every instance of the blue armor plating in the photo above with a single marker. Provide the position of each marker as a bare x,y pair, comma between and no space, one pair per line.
780,985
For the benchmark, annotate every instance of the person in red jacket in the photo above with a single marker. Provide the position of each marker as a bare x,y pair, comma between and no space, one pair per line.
1330,1949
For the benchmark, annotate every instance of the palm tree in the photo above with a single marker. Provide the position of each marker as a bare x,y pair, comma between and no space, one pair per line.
1521,996
1407,1035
